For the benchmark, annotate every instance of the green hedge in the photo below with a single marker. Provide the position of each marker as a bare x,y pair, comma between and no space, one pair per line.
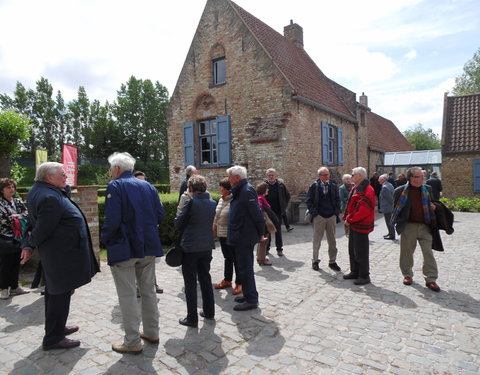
462,204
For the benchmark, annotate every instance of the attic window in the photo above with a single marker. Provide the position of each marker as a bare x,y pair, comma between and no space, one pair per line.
219,71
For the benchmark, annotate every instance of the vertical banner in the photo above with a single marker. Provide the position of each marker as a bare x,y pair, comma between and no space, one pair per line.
40,157
69,161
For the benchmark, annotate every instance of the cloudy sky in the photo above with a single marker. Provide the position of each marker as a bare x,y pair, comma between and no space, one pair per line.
403,54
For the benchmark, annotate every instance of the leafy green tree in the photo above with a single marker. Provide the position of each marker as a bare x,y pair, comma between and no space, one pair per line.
422,139
79,116
469,81
14,128
44,113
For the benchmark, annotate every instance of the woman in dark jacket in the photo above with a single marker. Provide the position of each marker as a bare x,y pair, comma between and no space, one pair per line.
195,222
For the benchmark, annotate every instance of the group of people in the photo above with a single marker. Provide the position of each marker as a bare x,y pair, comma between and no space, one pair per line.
244,217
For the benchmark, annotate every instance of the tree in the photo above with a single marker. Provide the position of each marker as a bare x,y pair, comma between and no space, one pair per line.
469,81
422,139
80,114
14,128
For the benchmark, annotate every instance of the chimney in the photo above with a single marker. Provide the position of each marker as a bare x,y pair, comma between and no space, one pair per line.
363,99
294,33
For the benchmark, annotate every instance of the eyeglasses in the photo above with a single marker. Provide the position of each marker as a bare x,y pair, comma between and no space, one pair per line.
325,174
418,176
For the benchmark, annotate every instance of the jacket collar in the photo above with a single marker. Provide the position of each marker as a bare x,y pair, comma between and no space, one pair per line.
126,174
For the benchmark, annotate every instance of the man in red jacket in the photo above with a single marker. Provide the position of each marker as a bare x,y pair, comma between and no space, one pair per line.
359,217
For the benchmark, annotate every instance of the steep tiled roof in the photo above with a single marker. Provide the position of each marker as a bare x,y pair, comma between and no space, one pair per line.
301,72
461,124
383,135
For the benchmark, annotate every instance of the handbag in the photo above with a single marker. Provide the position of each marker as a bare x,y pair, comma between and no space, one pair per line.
9,246
269,223
174,256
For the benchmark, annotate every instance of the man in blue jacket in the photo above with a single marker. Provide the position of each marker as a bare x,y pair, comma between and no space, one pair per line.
133,212
246,227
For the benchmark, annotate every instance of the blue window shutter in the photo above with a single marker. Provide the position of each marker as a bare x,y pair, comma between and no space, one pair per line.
325,143
188,147
223,140
340,145
476,175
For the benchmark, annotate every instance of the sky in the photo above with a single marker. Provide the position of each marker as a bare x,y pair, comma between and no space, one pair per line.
403,54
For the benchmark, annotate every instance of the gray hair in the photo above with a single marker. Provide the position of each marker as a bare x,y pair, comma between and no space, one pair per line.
190,169
384,177
47,169
122,160
271,170
361,171
323,169
345,176
238,170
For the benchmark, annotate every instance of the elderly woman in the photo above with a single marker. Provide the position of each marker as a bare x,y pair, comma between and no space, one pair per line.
195,222
262,192
344,190
220,230
10,208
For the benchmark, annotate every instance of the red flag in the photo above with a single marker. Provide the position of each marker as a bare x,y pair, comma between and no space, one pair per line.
69,161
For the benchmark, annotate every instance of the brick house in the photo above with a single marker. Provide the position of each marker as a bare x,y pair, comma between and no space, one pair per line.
461,146
248,95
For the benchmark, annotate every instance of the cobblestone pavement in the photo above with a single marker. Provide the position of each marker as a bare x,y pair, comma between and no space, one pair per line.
309,322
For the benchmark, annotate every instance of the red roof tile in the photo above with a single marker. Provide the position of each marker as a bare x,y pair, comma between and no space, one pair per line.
461,132
306,79
383,135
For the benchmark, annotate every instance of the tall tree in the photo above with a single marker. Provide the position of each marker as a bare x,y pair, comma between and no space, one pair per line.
80,114
44,112
14,128
469,81
422,139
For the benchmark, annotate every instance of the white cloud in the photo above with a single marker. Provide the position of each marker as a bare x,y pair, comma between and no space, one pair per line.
410,55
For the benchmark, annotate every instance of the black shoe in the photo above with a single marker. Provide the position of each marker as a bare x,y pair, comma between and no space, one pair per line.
280,253
68,330
334,266
63,344
245,306
186,322
389,238
289,229
315,266
362,281
387,235
202,314
240,299
350,276
158,289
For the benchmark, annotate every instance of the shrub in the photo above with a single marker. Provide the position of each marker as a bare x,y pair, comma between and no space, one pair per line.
462,204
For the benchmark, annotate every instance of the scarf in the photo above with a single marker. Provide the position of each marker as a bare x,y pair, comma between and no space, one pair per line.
402,202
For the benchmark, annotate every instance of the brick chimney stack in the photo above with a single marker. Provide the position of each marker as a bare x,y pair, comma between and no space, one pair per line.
363,99
294,33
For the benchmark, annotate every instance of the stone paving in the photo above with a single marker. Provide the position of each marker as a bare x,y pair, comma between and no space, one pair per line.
309,322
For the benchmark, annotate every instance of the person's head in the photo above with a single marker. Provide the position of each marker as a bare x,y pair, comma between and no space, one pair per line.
359,174
224,187
434,175
7,188
383,178
190,170
401,176
262,188
236,174
415,176
140,175
197,184
323,174
120,162
347,179
271,175
52,173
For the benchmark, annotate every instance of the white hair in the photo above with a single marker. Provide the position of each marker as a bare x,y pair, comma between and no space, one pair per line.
345,176
238,170
122,160
190,169
46,169
361,171
383,177
323,169
271,170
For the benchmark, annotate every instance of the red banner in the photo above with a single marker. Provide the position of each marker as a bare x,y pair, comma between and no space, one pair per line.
69,161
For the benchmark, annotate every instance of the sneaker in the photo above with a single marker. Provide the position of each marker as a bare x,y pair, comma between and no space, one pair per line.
315,266
238,289
4,294
223,284
433,286
334,266
122,348
18,290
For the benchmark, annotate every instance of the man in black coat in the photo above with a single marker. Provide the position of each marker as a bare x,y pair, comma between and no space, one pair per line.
436,185
60,232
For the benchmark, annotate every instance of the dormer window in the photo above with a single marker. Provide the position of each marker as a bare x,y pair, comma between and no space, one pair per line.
219,71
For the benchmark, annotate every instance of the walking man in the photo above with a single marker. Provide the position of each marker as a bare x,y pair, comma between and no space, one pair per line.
386,204
412,217
133,212
323,203
436,185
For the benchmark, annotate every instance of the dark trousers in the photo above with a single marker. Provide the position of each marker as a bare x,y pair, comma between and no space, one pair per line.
244,258
9,270
391,229
57,307
198,265
285,220
230,263
358,250
278,234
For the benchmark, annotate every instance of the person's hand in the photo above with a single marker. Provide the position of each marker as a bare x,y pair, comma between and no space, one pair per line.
263,239
432,207
25,256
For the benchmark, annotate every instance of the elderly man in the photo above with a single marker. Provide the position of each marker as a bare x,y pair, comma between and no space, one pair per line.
359,217
385,204
133,212
59,230
412,216
278,197
436,185
323,203
189,171
246,227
